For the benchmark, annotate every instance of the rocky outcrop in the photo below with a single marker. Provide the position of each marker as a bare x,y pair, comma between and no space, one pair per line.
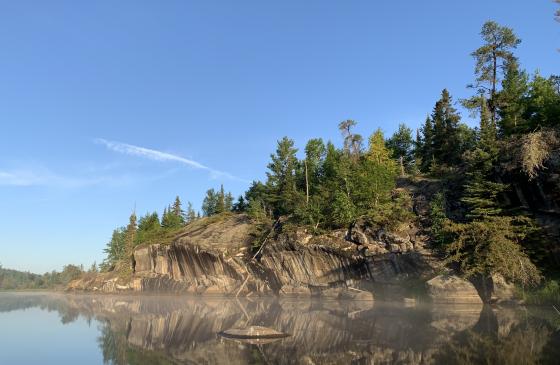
450,289
214,256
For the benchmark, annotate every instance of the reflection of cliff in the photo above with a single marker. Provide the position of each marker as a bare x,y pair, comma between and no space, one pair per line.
163,330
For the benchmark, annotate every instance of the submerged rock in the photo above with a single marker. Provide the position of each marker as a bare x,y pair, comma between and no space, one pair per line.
253,332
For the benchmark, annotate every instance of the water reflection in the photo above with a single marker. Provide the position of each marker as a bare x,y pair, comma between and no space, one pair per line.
180,330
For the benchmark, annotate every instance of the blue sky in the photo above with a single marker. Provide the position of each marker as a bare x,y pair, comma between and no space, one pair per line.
107,105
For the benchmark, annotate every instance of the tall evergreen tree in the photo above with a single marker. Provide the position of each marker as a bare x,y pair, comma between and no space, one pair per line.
210,203
446,139
191,214
492,59
130,235
425,144
228,202
512,100
402,146
221,201
178,210
315,151
281,177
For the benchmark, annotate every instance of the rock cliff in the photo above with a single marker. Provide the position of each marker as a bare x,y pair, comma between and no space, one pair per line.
214,256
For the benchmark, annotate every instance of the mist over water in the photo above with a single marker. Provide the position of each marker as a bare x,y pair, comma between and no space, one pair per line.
86,329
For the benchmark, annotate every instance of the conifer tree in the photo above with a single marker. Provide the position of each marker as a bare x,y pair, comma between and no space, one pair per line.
221,201
492,59
228,202
402,146
488,132
426,145
446,138
210,203
240,205
281,177
130,235
512,100
178,211
191,214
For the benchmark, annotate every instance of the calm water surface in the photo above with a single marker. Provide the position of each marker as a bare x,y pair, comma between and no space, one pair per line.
38,328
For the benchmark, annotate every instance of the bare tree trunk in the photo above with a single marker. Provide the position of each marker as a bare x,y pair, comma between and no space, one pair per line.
494,81
402,165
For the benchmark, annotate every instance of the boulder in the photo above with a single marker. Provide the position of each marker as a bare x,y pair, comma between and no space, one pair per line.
503,291
450,289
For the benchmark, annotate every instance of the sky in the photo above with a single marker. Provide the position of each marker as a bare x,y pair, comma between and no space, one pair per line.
109,106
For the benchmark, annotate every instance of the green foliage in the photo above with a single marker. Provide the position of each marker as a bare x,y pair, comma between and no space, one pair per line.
402,147
281,184
492,245
115,250
343,210
492,57
149,227
217,202
438,218
18,280
548,293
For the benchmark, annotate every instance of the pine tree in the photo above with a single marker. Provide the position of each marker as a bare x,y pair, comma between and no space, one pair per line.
402,146
446,140
228,202
491,59
191,214
210,203
281,177
221,201
178,211
426,145
314,156
240,205
512,100
130,235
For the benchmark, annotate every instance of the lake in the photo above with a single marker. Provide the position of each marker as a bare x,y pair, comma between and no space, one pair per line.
50,328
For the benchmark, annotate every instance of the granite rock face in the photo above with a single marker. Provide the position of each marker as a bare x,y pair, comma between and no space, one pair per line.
214,256
450,289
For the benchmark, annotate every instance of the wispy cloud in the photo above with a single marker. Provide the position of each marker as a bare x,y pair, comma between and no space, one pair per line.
44,177
156,155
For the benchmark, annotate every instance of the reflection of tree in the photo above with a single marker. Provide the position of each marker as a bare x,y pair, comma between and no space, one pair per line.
112,344
497,340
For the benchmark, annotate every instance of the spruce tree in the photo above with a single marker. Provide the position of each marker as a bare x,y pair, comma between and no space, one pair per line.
446,140
228,202
488,132
426,145
402,147
178,211
210,203
281,177
191,214
221,201
130,236
512,100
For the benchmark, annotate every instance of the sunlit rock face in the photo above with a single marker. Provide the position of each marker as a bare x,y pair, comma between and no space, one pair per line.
214,256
